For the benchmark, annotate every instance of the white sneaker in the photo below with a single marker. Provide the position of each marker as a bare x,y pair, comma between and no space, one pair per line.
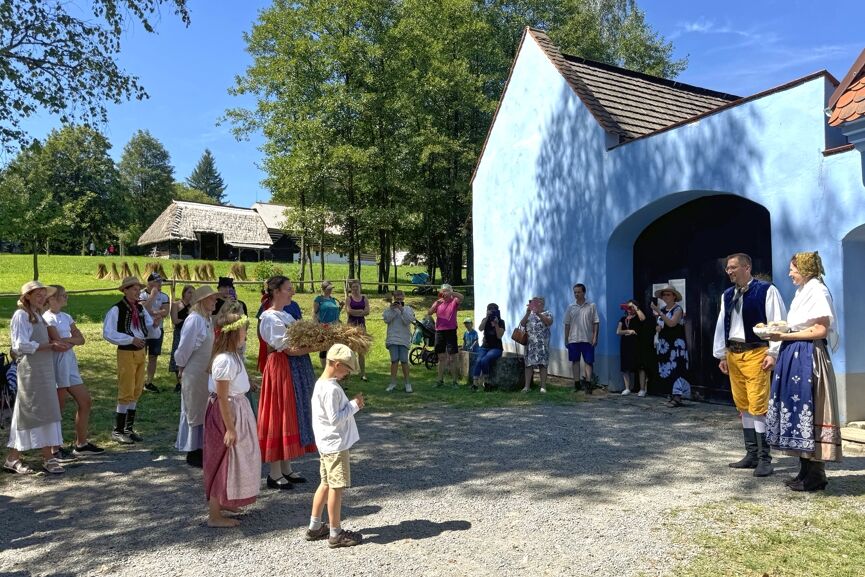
408,388
390,388
543,390
626,392
641,394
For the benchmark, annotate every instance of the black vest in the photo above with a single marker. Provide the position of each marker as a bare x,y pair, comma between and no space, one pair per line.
124,322
753,309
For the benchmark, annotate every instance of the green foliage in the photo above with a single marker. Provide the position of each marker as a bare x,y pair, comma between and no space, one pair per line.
206,178
53,56
147,176
266,269
374,111
184,193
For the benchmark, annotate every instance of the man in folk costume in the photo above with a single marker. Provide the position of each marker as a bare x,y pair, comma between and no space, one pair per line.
746,358
128,325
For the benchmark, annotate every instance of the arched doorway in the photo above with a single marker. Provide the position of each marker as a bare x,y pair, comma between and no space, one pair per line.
690,242
853,338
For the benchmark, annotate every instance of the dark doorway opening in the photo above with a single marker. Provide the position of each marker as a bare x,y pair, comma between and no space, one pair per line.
690,242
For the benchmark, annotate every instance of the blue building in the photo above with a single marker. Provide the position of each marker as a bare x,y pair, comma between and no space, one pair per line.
621,181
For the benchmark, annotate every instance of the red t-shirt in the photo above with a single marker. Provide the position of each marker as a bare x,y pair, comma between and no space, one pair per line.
446,315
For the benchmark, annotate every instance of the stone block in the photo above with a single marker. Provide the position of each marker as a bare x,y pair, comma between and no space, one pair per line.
508,373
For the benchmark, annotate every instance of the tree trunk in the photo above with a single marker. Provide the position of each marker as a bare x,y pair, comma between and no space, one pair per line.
321,254
302,258
35,261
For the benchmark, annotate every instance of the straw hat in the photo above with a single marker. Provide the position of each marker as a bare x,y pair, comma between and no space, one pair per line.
202,293
668,288
130,281
31,286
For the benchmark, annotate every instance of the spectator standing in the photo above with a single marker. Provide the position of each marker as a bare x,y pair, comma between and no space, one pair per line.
537,322
399,318
159,307
581,337
326,310
633,330
357,311
672,345
446,346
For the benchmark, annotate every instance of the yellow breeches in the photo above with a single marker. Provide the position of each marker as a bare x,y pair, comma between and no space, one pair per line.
130,375
748,381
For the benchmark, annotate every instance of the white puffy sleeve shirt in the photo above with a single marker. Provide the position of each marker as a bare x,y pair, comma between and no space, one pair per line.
775,311
22,333
229,367
195,329
113,336
811,302
272,325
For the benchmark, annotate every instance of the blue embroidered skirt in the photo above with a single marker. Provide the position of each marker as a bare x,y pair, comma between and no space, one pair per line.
304,378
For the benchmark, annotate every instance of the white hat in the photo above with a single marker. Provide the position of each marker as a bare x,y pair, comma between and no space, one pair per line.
344,355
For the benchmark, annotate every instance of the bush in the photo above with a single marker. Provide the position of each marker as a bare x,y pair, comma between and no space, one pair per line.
266,269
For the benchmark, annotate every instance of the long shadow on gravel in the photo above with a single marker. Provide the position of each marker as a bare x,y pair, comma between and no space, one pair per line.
106,511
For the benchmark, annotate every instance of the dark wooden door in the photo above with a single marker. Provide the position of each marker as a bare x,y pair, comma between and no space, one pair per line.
691,242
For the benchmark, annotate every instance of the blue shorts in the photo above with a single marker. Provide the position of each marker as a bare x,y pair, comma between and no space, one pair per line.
398,353
586,350
154,346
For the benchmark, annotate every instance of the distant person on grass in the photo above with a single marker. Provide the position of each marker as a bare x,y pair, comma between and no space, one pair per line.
335,433
128,325
357,310
581,337
325,310
193,356
159,309
399,319
36,417
232,458
66,373
446,346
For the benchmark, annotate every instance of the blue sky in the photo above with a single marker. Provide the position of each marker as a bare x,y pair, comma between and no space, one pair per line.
733,46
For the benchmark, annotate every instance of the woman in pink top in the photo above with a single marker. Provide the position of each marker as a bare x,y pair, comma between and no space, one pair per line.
445,309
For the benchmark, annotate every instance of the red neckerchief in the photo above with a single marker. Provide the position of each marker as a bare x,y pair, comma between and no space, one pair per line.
136,317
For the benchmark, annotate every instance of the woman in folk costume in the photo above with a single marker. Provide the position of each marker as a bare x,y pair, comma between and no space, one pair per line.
803,418
232,460
192,358
36,417
284,409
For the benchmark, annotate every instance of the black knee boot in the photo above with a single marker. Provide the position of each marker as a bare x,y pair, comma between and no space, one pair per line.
803,470
764,457
749,461
130,426
119,432
814,480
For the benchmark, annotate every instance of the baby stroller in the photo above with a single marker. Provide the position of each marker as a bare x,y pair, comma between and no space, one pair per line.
8,388
424,336
419,279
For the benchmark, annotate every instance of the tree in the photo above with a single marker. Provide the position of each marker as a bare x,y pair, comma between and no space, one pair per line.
148,177
206,178
54,57
31,213
184,193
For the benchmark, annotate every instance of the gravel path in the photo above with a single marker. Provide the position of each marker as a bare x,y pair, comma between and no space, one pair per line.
544,490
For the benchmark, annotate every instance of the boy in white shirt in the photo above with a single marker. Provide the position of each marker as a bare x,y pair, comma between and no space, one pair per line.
335,432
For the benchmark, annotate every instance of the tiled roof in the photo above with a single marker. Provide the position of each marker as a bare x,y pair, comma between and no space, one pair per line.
851,105
627,103
847,103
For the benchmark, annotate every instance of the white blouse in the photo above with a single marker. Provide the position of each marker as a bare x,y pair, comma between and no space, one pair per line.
61,321
195,329
22,332
272,325
811,302
229,367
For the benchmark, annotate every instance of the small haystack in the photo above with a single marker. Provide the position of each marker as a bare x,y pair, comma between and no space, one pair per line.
101,271
114,274
125,271
211,273
186,275
137,270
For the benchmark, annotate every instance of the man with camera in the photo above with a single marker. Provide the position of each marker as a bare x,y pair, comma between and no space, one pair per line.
399,318
581,336
747,358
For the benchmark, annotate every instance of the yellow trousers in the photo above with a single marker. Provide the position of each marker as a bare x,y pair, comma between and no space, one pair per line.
748,381
130,375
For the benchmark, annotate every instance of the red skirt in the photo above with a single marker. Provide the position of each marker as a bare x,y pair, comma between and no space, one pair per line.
278,431
262,354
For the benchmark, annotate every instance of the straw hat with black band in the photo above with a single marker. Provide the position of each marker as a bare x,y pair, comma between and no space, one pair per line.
668,288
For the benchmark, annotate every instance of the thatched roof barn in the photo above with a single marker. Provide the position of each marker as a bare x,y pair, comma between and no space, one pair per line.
212,232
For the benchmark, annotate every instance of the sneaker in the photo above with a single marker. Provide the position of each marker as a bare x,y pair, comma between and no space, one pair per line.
88,449
136,438
626,392
151,387
408,388
543,390
63,455
53,466
641,394
121,438
322,532
345,539
390,388
177,388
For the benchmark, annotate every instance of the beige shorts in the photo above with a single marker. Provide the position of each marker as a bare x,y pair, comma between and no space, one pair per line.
335,470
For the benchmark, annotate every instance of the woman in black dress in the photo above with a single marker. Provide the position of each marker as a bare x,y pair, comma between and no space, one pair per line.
632,330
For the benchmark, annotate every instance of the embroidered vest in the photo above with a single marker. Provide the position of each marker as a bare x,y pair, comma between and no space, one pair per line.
124,322
753,309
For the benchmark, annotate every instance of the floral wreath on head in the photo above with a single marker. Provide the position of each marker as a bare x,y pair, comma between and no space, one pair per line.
242,322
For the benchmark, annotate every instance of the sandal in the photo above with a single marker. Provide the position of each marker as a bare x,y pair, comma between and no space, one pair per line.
17,466
53,466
